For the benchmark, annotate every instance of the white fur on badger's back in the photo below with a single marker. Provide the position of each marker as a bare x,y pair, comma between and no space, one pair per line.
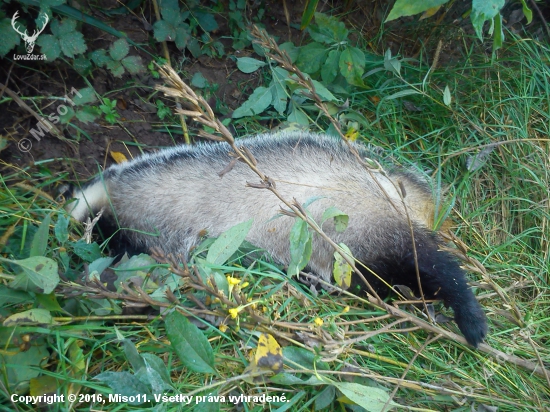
177,193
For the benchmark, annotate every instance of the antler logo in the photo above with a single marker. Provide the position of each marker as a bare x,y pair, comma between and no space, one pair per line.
29,40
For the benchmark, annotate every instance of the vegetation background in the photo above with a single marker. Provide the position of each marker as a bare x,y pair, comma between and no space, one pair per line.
460,89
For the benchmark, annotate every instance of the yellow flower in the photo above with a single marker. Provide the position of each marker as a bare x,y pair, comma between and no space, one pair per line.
346,309
233,281
318,321
234,313
222,328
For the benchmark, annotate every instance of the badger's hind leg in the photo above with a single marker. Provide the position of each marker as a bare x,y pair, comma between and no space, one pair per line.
440,276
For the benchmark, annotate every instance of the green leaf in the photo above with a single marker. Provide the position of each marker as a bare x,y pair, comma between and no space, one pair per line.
340,218
39,275
411,7
199,81
40,238
164,31
206,21
49,46
300,247
498,37
483,10
370,398
527,12
309,12
87,114
303,357
87,251
342,270
312,57
183,37
190,344
401,93
292,51
329,70
258,101
352,65
323,92
325,398
10,38
61,228
10,296
84,96
126,384
228,243
249,65
100,58
133,64
447,96
297,116
328,30
115,67
83,66
280,97
29,317
72,44
119,49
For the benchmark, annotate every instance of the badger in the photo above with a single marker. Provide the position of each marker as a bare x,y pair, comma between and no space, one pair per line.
170,198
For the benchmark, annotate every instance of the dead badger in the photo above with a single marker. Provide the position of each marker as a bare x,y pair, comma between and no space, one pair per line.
177,194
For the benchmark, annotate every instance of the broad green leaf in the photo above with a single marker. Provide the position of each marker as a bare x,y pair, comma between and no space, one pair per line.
329,71
23,366
342,270
323,92
411,7
228,243
325,398
153,362
258,101
312,56
115,67
29,317
87,251
183,38
49,46
10,38
352,65
100,58
328,29
87,114
369,398
119,49
498,37
300,247
190,344
133,64
49,302
10,296
292,51
132,355
447,96
84,96
249,65
206,21
198,80
164,31
83,65
98,266
483,10
126,384
40,238
303,357
280,96
39,275
340,218
297,116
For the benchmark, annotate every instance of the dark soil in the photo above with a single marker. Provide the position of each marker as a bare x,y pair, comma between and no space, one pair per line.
87,146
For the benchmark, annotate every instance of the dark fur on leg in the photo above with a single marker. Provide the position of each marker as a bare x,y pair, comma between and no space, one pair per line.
440,275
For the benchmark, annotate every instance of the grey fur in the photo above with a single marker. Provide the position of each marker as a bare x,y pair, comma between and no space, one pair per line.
178,194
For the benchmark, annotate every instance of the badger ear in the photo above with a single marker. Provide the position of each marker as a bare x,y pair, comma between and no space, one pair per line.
65,192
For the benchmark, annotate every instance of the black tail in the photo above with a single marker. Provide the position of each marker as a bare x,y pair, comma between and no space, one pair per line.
440,275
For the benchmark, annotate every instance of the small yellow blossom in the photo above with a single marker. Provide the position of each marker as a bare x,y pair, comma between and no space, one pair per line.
318,321
346,309
244,285
222,328
233,281
234,313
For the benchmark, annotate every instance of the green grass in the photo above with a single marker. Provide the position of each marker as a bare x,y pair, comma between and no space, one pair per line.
500,211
